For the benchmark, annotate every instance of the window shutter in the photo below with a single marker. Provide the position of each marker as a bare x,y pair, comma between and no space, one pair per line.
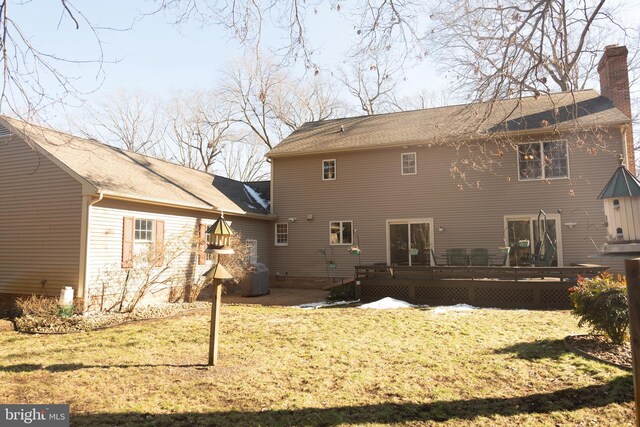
202,244
159,243
127,242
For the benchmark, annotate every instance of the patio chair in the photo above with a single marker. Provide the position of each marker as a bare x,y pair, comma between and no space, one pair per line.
457,256
435,259
501,260
479,256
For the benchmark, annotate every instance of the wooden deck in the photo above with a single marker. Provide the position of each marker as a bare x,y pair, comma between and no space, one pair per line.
504,287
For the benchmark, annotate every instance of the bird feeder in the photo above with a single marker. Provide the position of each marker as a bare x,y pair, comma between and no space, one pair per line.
220,233
621,198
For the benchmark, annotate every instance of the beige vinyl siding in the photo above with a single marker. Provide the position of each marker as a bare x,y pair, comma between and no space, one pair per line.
40,220
370,189
105,240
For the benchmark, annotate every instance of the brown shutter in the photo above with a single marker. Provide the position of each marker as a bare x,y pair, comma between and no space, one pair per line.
127,242
159,243
202,244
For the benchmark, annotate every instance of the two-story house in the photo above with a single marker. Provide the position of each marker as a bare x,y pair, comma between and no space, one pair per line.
405,187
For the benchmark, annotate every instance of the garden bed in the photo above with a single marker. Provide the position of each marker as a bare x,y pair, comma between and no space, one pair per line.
99,320
597,347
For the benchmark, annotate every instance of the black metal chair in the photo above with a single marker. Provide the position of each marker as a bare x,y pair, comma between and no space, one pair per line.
457,257
479,257
435,259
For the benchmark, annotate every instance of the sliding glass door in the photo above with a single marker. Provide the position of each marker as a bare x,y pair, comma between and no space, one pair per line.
522,229
409,242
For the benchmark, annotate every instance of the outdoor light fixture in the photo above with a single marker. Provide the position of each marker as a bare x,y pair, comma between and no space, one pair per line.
440,229
220,233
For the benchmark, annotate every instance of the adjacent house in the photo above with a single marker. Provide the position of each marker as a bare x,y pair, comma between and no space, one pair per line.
406,187
75,212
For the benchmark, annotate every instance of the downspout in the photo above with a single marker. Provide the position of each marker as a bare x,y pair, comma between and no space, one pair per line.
625,153
87,202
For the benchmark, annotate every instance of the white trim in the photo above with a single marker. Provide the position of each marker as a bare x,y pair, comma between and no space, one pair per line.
275,234
409,221
335,170
341,222
415,163
534,217
543,177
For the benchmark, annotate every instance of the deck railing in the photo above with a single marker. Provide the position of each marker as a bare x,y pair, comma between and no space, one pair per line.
513,287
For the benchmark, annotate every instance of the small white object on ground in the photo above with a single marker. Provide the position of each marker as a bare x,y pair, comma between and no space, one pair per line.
448,308
387,303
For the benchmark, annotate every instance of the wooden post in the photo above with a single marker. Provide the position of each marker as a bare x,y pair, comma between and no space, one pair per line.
215,322
632,270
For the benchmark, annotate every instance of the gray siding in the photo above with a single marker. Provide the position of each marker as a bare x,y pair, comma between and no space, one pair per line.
105,237
40,219
370,189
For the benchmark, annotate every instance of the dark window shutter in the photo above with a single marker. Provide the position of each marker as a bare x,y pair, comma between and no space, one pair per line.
127,242
159,243
202,244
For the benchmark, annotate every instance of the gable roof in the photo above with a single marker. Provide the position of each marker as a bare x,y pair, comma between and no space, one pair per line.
622,184
123,174
560,111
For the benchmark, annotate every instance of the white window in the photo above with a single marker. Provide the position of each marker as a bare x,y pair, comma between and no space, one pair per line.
252,251
341,232
282,234
543,160
329,169
143,236
408,161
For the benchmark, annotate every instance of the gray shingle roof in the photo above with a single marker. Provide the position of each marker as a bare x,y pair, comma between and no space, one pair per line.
622,184
125,174
560,111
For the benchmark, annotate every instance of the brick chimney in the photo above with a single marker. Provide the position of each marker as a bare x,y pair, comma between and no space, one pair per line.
614,84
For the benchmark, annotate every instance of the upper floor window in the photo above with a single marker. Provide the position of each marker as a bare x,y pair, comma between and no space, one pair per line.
328,169
282,234
409,164
341,232
543,160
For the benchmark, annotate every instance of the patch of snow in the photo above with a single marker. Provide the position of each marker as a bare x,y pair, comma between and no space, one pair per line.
387,303
256,196
321,304
456,308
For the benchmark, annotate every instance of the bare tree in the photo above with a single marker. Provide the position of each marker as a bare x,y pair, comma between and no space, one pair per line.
198,124
129,120
34,77
268,103
513,48
244,160
372,80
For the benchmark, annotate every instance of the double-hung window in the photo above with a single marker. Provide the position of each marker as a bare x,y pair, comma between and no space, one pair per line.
282,234
341,232
143,235
329,170
543,160
408,162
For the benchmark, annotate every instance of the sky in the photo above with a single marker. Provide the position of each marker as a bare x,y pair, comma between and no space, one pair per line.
149,52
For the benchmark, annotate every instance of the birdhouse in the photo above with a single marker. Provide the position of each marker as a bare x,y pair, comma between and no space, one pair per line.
220,233
621,198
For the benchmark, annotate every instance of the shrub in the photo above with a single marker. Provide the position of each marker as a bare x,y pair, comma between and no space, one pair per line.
601,303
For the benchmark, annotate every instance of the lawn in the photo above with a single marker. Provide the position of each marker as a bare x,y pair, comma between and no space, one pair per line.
287,366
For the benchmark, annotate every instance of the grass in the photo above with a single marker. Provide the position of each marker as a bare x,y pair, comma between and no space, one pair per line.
338,366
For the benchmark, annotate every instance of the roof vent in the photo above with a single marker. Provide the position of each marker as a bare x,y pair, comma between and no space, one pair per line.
4,131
